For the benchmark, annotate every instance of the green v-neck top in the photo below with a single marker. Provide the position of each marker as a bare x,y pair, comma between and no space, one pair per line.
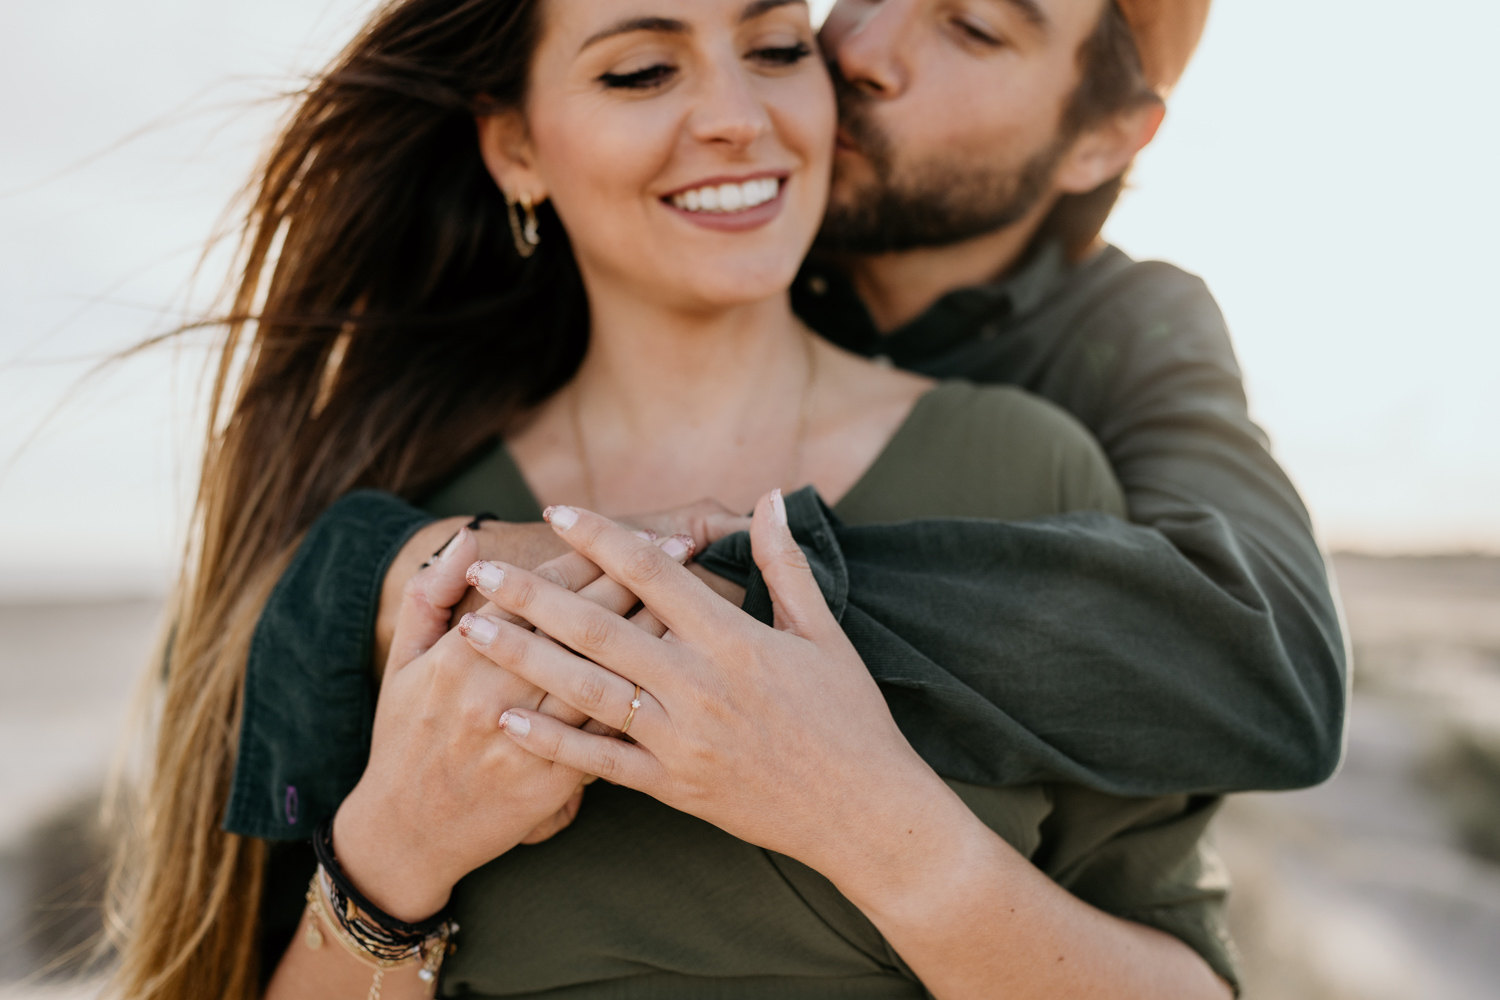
994,452
636,901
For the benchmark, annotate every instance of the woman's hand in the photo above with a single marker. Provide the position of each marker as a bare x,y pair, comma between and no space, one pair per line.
769,741
444,792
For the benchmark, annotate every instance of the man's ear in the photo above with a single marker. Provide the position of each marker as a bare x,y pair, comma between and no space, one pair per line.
1105,150
505,145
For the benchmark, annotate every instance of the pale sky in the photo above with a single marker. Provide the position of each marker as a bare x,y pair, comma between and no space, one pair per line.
1328,168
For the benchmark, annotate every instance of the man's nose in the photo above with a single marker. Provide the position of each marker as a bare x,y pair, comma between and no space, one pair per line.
870,43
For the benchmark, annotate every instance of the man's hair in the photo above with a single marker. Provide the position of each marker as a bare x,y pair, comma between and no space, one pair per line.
1112,81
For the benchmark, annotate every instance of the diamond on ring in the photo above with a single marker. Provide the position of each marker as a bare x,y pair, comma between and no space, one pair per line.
635,703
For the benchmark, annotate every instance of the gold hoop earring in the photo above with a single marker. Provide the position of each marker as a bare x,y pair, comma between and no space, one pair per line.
527,236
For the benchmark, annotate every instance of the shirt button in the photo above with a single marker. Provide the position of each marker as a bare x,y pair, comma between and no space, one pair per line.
883,360
817,284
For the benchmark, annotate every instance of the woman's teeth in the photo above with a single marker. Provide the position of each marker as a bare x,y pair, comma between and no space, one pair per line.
728,197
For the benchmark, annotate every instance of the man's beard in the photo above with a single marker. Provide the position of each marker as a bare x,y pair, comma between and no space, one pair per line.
935,203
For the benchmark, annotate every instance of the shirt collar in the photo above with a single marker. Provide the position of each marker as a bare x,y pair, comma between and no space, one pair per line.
826,299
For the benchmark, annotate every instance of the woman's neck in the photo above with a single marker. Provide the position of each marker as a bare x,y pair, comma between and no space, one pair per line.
669,407
653,374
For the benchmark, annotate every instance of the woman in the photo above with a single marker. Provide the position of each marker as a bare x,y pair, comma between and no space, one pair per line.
659,171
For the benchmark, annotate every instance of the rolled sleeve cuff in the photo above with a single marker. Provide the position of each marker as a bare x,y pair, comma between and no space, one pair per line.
309,691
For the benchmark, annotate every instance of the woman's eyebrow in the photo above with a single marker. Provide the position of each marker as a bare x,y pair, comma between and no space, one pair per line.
1031,11
663,25
759,8
672,26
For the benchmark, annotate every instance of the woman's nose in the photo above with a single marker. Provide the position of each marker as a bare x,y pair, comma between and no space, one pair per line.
730,113
868,43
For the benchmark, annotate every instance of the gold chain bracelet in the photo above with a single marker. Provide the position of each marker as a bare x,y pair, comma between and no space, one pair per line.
429,955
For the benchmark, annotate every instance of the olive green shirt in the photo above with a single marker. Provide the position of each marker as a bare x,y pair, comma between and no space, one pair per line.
636,901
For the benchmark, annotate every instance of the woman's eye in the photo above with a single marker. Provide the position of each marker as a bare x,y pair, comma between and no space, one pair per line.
641,79
977,34
783,55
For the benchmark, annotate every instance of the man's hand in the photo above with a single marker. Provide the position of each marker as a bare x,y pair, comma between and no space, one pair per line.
524,544
530,546
705,522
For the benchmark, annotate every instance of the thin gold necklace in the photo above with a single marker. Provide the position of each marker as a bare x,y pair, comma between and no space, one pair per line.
804,418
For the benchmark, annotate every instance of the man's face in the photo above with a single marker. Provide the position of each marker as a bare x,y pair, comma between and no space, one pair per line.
951,116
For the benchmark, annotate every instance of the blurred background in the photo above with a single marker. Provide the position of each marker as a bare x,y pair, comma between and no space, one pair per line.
1328,168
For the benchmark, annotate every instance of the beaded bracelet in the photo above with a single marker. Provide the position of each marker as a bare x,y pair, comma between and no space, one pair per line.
371,935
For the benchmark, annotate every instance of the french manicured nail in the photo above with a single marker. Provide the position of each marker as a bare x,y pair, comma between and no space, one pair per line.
516,725
485,576
778,507
478,629
678,546
647,534
560,517
453,544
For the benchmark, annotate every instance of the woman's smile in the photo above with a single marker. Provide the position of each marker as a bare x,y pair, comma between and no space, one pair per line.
729,204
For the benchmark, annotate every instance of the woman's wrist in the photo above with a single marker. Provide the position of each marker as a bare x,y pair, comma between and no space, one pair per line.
392,873
908,850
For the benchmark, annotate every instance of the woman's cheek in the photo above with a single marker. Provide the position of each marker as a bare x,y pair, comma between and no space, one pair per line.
807,118
810,135
611,156
591,179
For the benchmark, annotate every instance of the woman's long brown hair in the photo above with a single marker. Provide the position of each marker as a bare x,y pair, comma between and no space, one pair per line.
381,329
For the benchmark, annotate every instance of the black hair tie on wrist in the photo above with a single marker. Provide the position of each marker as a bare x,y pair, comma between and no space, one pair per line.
472,526
378,932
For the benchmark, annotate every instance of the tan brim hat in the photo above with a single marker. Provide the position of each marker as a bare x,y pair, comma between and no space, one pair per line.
1166,33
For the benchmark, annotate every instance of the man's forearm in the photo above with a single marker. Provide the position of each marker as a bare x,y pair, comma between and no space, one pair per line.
1104,657
1077,648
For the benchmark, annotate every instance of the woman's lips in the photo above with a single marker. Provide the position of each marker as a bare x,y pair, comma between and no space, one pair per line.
730,205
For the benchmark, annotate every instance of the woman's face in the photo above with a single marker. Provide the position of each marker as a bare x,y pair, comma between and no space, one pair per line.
685,144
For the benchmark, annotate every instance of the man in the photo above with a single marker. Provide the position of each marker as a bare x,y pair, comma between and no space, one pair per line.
1195,650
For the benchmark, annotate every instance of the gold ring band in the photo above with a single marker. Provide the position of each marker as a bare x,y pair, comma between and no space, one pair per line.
635,703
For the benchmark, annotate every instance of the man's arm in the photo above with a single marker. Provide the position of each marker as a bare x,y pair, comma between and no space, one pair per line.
1196,649
1152,373
1061,649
